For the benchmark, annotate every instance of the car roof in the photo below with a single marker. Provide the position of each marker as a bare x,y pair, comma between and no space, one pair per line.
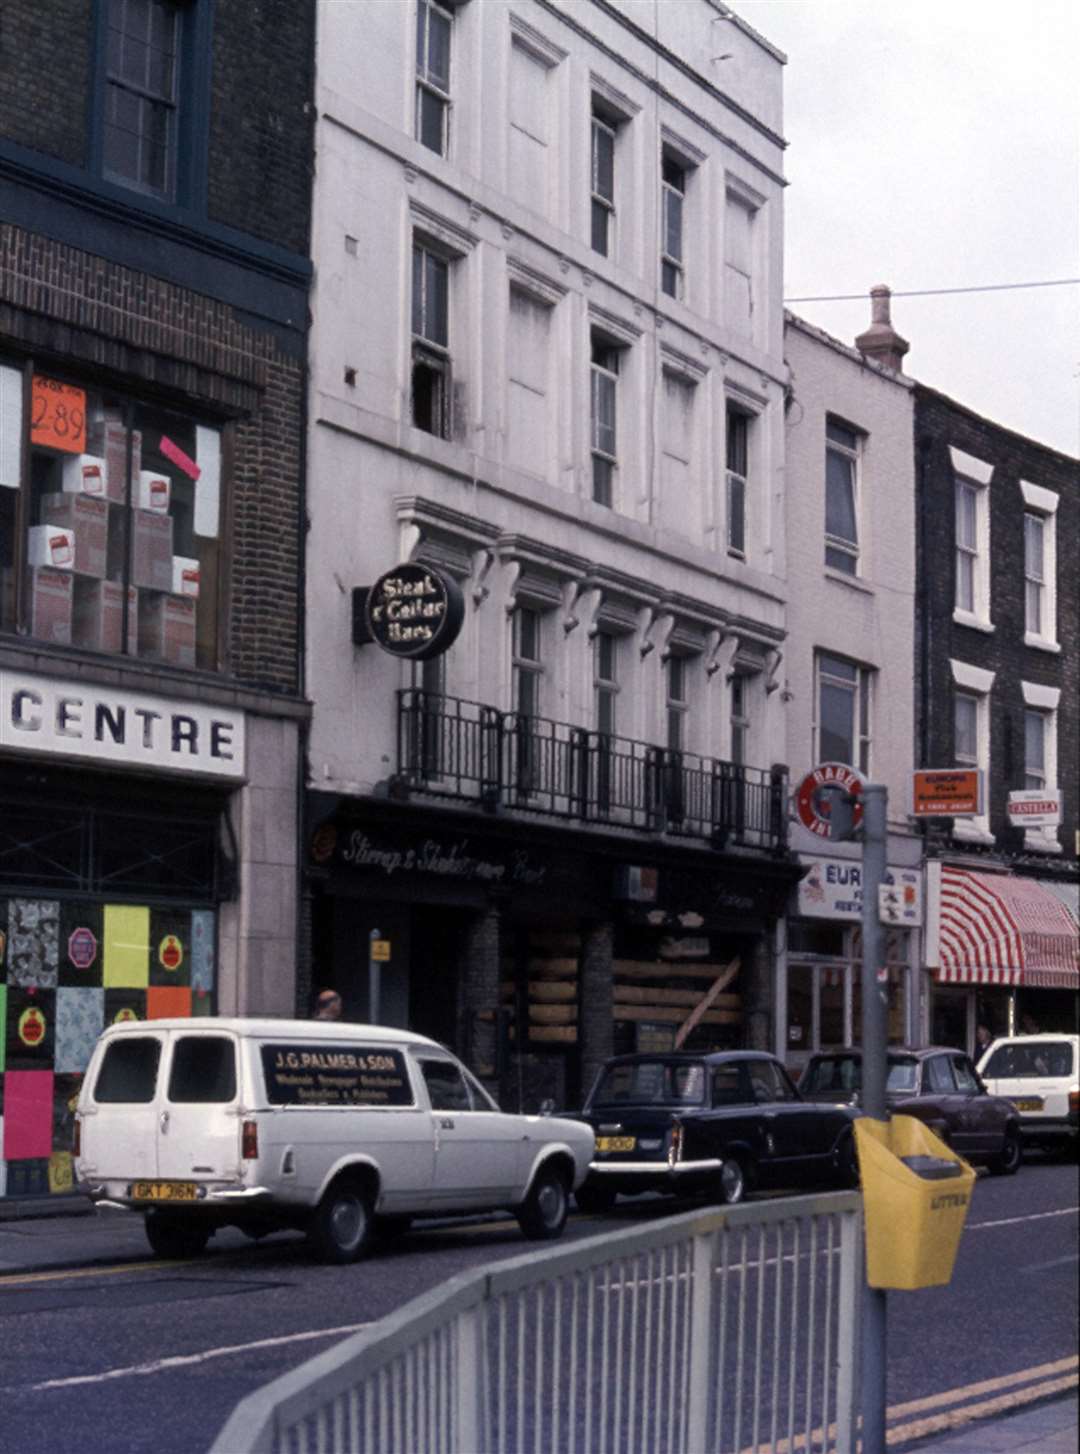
1040,1039
267,1028
688,1057
919,1052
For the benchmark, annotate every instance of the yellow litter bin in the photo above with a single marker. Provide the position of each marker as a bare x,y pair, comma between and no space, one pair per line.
916,1194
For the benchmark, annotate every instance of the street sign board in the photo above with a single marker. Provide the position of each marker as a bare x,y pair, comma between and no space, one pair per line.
900,901
952,792
1036,808
380,950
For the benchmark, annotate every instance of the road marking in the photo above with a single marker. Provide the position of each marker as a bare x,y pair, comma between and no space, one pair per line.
186,1360
19,1279
1057,1262
1014,1221
987,1409
988,1385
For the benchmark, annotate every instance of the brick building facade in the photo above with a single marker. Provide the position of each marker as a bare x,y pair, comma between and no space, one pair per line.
155,165
997,615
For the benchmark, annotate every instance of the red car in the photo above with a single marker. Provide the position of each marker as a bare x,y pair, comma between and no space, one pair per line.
938,1085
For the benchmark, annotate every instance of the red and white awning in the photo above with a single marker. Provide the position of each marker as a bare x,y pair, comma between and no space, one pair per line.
996,929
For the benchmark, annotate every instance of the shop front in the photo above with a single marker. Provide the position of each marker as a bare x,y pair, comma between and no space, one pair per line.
820,988
1004,954
112,880
536,952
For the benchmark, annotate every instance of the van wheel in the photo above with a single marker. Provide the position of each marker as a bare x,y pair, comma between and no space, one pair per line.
343,1224
1007,1161
731,1182
542,1215
171,1236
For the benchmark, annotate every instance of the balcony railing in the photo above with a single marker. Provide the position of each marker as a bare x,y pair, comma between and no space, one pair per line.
458,749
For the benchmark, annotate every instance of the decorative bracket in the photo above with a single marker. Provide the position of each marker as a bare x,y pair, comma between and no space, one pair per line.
720,653
773,657
482,562
513,576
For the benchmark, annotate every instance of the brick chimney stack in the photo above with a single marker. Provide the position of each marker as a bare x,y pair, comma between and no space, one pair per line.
881,343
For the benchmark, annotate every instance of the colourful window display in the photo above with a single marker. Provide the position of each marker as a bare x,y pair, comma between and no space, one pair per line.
69,967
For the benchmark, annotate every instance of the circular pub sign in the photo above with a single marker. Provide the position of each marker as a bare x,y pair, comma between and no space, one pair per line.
82,948
32,1027
170,953
414,611
815,794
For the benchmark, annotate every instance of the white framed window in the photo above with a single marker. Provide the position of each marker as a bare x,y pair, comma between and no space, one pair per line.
1040,566
677,702
737,459
604,392
532,66
431,364
528,664
842,457
605,681
971,603
843,705
971,740
529,423
674,174
1041,754
602,180
142,95
740,717
433,32
739,225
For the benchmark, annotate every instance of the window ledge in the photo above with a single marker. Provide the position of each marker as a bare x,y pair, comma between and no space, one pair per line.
854,583
977,623
972,830
1042,842
1040,643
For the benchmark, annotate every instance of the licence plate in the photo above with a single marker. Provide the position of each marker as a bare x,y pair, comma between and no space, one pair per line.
615,1143
1028,1103
163,1191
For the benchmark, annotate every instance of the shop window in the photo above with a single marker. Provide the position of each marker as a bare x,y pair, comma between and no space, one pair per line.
115,524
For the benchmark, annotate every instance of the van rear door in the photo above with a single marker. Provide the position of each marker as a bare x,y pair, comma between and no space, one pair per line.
120,1117
198,1110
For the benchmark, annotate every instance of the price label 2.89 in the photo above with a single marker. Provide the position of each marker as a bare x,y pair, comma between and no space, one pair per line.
58,415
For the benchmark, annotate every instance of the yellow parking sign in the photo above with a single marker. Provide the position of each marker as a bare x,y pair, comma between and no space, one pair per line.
380,950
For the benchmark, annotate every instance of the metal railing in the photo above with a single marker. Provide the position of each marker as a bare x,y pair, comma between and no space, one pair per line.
451,747
727,1331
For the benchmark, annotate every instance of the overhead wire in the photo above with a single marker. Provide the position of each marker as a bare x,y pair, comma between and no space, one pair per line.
936,292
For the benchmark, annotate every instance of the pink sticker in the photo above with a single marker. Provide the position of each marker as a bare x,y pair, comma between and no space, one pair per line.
28,1112
179,458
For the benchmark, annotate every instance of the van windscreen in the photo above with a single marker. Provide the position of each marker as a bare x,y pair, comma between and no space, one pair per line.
329,1074
128,1073
203,1070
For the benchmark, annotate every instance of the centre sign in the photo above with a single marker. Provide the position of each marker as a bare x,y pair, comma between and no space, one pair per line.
414,611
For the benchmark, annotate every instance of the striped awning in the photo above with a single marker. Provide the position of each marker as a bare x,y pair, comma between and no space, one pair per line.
997,929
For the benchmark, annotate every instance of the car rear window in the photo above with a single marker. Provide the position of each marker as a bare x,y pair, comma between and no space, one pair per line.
1044,1058
203,1070
652,1082
839,1073
128,1074
335,1074
903,1075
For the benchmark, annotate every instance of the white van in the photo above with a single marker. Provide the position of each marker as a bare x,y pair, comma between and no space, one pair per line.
1040,1074
339,1129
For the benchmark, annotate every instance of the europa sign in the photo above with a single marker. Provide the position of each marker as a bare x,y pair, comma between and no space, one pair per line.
816,794
414,611
946,793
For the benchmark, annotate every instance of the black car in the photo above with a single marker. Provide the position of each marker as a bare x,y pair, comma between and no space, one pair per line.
719,1125
937,1085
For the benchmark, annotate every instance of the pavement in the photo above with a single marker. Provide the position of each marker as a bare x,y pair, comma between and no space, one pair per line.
54,1233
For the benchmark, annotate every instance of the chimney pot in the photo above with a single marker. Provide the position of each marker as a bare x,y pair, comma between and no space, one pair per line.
881,342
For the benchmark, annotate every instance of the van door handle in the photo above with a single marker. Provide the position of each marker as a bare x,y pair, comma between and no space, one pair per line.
446,1124
164,1122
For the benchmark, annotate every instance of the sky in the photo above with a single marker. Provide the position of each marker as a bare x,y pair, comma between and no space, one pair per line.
936,144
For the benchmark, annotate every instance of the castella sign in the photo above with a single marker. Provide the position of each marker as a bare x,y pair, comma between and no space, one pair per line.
414,611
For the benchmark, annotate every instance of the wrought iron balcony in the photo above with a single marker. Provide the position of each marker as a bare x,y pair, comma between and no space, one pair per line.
453,748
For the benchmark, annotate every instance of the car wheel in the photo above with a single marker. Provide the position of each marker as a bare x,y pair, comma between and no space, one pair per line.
847,1161
542,1215
171,1236
1007,1162
342,1225
731,1182
594,1200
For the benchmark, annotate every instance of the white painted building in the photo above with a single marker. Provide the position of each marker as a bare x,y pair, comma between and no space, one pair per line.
848,672
547,361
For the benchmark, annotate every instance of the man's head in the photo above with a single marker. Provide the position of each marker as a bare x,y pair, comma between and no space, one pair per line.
328,1005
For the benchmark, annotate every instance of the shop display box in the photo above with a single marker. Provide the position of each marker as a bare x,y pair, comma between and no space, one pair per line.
50,604
154,492
185,581
85,474
97,620
87,520
51,546
108,439
152,551
167,628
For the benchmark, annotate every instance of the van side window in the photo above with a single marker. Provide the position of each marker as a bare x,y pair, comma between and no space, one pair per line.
445,1086
128,1074
203,1070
